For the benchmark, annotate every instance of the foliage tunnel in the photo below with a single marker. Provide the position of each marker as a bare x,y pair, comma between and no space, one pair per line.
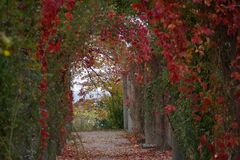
182,58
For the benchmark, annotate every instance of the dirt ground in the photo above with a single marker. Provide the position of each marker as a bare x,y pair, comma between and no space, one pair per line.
108,145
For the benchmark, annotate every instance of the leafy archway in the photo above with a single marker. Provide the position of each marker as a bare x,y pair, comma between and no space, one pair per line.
181,57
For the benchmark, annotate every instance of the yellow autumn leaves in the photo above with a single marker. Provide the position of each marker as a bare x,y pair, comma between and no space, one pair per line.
5,44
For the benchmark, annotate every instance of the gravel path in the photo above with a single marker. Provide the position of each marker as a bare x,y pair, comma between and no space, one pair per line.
108,145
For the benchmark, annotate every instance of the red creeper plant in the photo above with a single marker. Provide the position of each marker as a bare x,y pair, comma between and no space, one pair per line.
50,22
178,39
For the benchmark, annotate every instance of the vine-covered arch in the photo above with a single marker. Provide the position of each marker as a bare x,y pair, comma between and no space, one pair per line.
182,57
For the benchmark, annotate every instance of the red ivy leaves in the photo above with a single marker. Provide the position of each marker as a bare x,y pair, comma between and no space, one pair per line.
196,40
111,14
221,156
69,4
206,101
69,116
43,85
49,21
139,78
220,100
136,6
42,102
167,55
234,125
204,31
218,118
169,109
174,44
44,113
147,57
201,31
54,47
50,10
203,139
69,16
43,123
174,77
44,133
236,76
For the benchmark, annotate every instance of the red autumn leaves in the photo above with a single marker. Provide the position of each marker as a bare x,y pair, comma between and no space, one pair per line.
136,6
54,47
169,109
199,32
69,16
174,45
69,116
69,4
236,76
43,85
50,22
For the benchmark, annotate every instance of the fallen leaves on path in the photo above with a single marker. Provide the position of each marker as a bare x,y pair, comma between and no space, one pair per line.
109,145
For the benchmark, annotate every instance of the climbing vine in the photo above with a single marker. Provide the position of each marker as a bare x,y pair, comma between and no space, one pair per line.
188,50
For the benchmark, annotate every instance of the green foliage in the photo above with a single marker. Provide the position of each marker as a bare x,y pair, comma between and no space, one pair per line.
90,119
20,75
114,105
105,114
149,101
186,129
123,6
19,70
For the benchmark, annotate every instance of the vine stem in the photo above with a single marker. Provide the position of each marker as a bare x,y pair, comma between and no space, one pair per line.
15,111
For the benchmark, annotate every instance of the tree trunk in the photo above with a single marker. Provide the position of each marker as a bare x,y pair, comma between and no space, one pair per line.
125,107
226,51
139,104
134,110
162,132
130,104
178,153
160,120
149,116
149,128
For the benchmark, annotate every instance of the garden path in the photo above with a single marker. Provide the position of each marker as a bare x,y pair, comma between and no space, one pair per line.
108,145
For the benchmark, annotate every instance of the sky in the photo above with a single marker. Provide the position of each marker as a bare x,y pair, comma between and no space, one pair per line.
77,87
